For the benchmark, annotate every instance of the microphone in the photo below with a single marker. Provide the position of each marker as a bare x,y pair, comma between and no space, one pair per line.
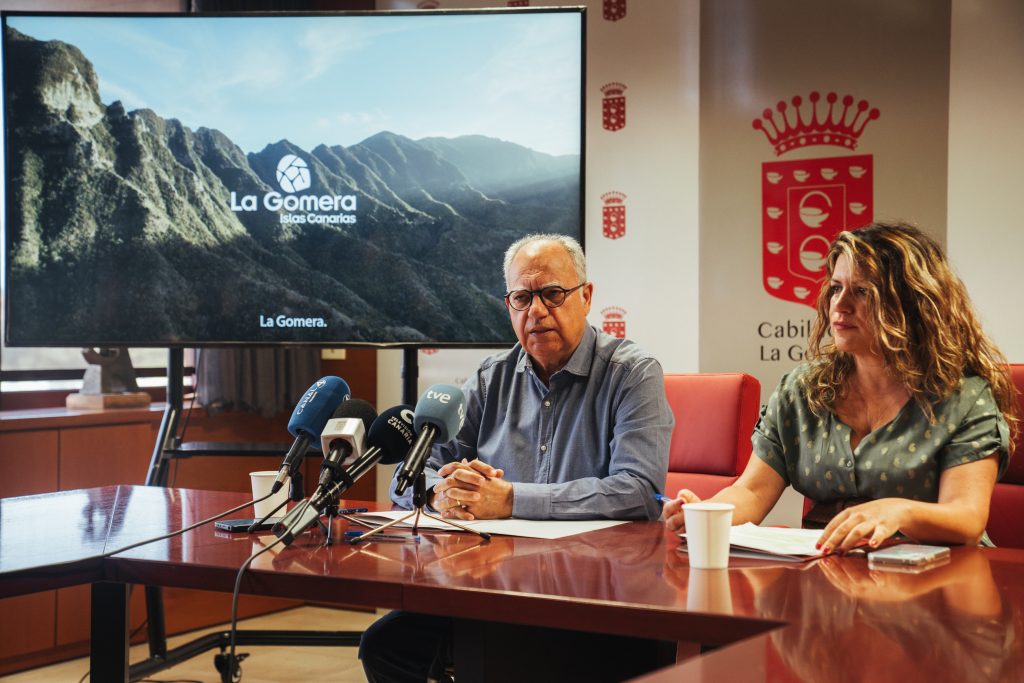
440,413
344,438
389,438
308,419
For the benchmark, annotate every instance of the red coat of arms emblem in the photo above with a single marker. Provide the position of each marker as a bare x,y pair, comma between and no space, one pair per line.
518,3
805,204
614,321
614,10
613,107
613,215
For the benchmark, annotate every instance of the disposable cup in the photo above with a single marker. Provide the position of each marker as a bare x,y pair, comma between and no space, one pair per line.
261,485
708,591
707,534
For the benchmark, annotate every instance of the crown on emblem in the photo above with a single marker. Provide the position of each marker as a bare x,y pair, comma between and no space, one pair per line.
613,197
828,124
613,313
612,89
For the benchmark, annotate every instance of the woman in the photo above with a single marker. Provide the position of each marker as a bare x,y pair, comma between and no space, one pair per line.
900,421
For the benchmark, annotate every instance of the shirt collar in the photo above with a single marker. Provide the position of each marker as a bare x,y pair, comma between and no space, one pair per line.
580,361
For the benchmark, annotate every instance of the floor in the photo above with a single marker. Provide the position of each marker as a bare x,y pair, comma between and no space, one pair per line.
265,664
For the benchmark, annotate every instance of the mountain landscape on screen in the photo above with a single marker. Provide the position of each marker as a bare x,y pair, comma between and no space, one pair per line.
126,227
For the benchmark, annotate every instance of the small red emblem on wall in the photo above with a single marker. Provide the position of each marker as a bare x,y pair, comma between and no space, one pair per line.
613,215
518,3
806,203
614,321
614,10
613,107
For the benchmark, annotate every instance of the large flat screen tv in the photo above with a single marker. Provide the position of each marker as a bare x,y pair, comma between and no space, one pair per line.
332,179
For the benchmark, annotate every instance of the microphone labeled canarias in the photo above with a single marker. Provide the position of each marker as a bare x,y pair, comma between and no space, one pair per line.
440,413
308,420
388,439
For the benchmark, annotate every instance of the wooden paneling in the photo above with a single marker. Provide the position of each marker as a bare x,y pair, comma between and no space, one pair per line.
219,473
188,610
359,370
27,624
98,456
28,463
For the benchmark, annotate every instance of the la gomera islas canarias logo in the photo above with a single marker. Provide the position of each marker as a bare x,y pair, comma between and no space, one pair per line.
806,203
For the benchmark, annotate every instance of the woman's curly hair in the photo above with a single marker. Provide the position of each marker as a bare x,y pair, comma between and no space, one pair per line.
926,329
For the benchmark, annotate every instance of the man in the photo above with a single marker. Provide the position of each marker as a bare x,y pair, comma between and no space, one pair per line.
571,423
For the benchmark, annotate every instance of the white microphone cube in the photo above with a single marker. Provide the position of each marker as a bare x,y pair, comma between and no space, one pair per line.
350,429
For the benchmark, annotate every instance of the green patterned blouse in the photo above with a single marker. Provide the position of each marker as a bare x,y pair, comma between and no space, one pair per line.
903,458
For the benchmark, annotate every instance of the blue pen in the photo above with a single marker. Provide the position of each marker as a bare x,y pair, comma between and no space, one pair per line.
661,498
352,511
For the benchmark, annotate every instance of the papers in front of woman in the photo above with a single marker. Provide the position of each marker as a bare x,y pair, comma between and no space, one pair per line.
771,543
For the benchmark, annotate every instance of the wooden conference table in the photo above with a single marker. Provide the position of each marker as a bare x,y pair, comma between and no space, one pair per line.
826,620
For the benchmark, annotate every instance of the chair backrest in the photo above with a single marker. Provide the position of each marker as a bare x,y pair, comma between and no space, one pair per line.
715,414
1006,515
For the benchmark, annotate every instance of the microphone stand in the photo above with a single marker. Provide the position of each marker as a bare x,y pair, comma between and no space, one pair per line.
419,501
328,527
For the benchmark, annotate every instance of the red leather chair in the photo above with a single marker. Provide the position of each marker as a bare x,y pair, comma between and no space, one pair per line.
715,414
1006,514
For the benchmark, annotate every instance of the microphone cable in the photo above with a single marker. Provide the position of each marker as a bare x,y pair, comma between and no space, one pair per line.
232,663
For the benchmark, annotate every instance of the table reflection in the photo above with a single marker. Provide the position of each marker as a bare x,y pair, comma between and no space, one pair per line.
716,591
583,565
55,528
456,554
852,623
608,564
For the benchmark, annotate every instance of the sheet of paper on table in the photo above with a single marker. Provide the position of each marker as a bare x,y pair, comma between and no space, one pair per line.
774,543
526,528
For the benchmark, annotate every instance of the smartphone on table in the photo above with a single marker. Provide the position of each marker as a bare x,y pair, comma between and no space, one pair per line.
908,556
242,525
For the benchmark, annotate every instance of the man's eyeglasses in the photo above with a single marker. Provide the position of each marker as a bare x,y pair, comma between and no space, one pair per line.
553,296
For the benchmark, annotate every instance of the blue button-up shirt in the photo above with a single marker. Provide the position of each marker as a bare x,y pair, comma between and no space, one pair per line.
592,444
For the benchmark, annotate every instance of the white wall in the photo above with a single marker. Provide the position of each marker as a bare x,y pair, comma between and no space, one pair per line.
389,393
986,163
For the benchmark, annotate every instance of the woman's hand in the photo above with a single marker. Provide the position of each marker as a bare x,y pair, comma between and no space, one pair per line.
870,522
672,511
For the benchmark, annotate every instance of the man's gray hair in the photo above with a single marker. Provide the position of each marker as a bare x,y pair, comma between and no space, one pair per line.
575,251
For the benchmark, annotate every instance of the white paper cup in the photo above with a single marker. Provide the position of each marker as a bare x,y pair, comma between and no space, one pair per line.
261,485
708,591
707,534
